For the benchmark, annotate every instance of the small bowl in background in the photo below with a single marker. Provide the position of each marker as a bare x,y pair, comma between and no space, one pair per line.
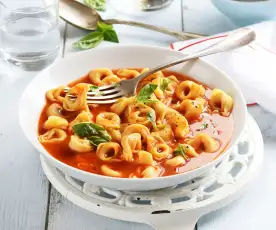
247,12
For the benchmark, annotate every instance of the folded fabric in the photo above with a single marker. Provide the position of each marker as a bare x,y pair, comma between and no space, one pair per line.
252,67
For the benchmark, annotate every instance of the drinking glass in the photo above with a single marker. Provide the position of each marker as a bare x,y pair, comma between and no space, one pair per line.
29,32
138,7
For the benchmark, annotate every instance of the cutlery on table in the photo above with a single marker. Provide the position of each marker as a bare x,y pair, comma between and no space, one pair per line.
87,18
111,93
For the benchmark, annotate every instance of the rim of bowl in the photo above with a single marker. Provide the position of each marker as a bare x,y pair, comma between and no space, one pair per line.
131,180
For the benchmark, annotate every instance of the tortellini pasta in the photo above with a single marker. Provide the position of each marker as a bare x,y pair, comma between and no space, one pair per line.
55,109
192,109
175,161
121,105
221,101
109,80
145,158
79,102
204,142
178,122
79,145
163,132
108,120
127,73
115,134
131,143
189,90
110,172
82,117
169,124
140,129
97,75
138,114
56,122
108,151
56,95
158,149
150,172
53,136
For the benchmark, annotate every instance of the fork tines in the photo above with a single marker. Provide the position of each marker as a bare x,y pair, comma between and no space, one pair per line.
102,95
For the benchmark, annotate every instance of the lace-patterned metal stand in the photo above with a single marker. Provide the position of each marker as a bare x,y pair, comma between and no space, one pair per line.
178,207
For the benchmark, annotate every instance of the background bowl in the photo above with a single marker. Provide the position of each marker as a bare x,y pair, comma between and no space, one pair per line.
74,67
244,13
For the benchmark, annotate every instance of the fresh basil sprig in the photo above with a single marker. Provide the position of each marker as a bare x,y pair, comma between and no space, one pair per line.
96,4
93,88
181,151
165,83
93,39
96,134
145,93
89,41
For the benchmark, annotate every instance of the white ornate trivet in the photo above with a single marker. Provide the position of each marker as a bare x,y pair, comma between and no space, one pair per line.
174,208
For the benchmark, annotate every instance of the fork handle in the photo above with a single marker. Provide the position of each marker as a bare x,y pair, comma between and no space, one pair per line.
179,35
234,40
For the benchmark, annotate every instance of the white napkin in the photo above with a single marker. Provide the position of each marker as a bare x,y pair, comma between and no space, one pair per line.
252,67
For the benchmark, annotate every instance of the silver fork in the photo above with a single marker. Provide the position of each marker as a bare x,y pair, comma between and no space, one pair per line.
111,93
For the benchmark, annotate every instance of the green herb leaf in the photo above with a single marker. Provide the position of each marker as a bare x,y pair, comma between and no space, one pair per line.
96,4
108,32
95,133
89,41
151,117
165,83
102,27
93,88
104,32
96,140
111,36
203,126
181,151
145,93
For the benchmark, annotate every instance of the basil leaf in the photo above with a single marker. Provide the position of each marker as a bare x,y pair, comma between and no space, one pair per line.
104,32
96,4
145,93
108,32
181,151
151,117
102,27
93,88
111,36
95,140
89,41
95,133
165,83
85,129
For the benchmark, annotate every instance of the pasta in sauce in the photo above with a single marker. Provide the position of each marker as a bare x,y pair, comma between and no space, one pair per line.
172,125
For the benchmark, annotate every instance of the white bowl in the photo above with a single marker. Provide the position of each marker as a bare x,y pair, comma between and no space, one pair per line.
74,67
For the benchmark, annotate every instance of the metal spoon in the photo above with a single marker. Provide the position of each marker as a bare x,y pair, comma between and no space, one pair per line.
87,18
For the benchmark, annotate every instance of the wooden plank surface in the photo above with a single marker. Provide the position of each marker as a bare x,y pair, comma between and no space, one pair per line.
255,210
62,213
24,187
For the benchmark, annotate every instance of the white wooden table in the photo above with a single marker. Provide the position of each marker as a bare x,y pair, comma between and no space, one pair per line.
28,201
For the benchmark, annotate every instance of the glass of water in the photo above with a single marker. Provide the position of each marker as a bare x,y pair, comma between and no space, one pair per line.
29,33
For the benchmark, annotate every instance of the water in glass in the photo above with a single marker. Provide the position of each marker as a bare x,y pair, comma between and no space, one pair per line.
30,37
